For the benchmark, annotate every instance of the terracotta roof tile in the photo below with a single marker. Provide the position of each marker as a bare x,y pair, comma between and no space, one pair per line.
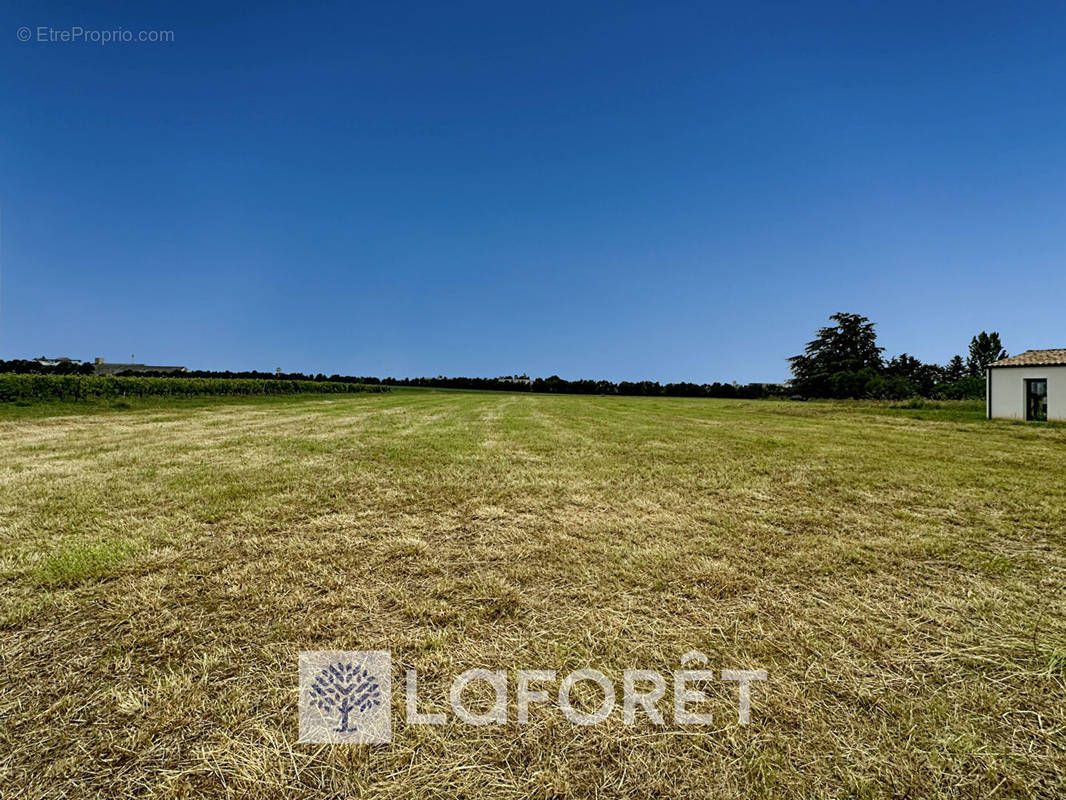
1034,358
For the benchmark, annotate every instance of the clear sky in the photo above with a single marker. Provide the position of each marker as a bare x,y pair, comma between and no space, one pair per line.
660,190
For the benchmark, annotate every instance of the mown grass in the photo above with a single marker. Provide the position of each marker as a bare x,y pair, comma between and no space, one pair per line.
900,578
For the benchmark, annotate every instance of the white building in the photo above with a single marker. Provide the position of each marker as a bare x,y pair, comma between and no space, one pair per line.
1030,386
55,362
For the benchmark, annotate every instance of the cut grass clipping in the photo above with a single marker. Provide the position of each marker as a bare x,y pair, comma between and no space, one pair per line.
897,572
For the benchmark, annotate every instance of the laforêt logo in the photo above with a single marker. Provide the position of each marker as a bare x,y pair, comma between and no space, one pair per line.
345,696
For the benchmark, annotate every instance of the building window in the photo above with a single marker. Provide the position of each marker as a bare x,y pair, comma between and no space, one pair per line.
1036,399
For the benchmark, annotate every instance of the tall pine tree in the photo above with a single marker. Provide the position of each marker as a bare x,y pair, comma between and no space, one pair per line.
848,346
984,349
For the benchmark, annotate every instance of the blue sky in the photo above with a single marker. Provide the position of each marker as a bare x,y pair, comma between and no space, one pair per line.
663,190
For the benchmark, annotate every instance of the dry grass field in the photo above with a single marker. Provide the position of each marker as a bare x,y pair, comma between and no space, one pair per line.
900,578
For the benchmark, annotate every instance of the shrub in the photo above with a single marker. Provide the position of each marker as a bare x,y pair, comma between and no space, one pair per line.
851,384
17,388
969,388
883,387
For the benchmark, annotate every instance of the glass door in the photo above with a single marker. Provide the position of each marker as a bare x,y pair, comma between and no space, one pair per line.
1036,399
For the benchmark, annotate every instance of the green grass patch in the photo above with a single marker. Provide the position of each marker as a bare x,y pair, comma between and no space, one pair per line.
84,561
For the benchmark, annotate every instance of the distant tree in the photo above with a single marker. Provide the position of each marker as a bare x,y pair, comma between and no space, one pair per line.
903,366
968,387
984,349
850,346
955,370
922,378
34,367
887,387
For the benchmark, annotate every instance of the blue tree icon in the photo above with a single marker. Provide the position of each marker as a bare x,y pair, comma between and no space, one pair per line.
344,688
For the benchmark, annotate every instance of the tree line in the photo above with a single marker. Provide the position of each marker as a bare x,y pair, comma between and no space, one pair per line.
24,366
37,387
557,385
844,360
550,385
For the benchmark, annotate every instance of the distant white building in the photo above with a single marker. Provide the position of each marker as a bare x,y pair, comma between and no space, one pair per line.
1030,386
101,367
55,362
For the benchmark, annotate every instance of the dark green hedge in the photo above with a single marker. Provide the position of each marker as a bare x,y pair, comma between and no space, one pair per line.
88,387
